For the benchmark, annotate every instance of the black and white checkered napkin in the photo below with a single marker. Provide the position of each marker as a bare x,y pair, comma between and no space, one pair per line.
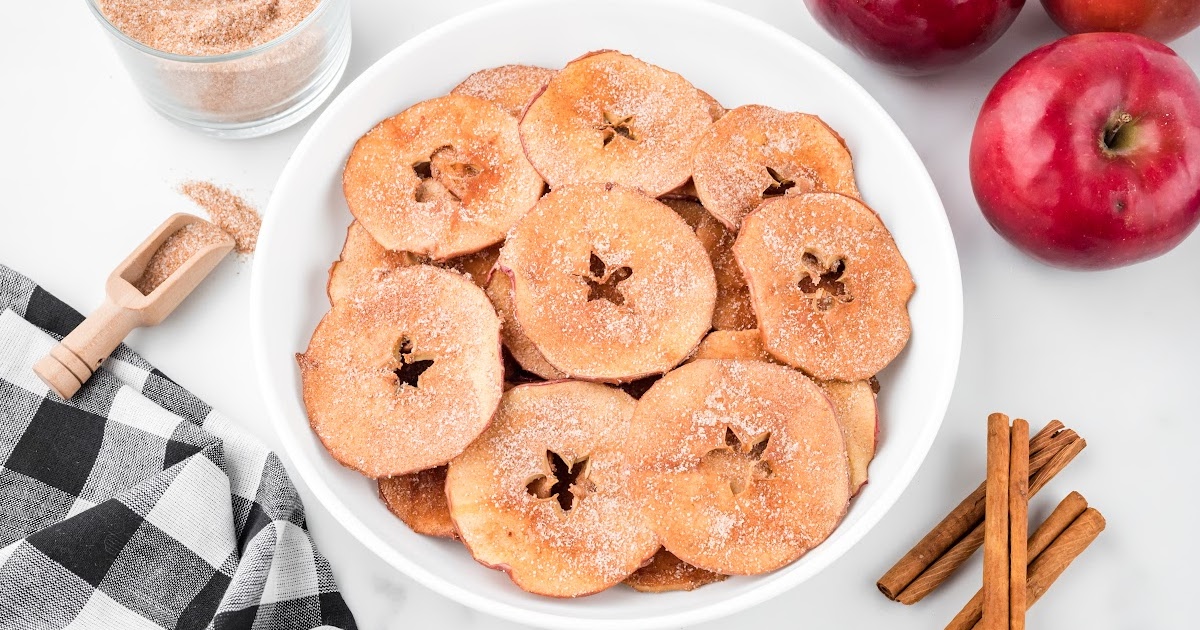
134,505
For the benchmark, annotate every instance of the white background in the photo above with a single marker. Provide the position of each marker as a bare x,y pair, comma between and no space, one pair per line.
87,170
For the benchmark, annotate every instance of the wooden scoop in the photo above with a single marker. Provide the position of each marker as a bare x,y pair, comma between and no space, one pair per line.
73,361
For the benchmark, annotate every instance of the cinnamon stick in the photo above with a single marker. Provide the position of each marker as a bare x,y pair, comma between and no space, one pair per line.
1053,429
958,523
1060,554
995,531
1056,464
1018,522
1067,511
951,559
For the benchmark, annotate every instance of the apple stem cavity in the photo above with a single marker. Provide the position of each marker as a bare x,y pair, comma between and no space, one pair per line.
1118,132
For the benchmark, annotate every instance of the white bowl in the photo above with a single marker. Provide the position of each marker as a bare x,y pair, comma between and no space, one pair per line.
738,60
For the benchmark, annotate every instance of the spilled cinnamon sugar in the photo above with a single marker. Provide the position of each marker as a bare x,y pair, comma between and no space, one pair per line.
228,211
179,248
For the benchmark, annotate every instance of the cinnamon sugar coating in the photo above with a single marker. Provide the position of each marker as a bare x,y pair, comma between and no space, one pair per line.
733,310
608,283
829,286
511,87
522,349
715,109
610,117
739,465
477,267
854,402
733,344
419,499
668,573
755,153
443,178
507,500
362,263
401,376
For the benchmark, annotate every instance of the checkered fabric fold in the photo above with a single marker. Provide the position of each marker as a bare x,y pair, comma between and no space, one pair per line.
135,505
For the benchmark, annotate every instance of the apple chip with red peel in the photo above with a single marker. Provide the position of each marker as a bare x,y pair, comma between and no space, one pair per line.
668,573
363,262
419,499
443,178
828,284
733,310
609,283
755,153
511,87
610,117
401,376
859,416
854,402
739,466
523,351
544,493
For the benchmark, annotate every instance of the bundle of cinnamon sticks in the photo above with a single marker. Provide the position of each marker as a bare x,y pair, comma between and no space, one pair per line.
1017,571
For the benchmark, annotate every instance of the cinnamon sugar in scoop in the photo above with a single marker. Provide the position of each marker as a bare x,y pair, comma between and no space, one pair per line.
179,248
228,211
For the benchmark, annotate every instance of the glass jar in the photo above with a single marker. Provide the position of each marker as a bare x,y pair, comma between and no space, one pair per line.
246,93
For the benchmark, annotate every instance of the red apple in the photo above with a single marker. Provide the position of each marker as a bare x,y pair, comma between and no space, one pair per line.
917,36
1087,152
1163,20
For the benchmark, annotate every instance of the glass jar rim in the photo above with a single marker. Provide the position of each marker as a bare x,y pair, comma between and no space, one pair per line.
321,7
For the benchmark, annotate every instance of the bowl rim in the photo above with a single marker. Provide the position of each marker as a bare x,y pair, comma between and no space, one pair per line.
937,404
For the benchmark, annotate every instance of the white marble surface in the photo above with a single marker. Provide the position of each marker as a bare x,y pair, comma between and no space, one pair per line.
86,170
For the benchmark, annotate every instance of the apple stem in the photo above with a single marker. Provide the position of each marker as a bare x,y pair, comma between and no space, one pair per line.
1113,130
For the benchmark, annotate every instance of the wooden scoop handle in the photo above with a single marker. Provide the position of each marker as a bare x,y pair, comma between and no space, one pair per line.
73,361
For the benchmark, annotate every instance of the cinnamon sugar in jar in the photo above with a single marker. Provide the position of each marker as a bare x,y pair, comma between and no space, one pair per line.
231,68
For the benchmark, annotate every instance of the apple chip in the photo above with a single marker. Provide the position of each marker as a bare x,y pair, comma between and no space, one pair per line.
828,284
511,87
419,499
755,153
544,493
523,351
401,376
477,267
858,415
667,573
739,465
610,117
715,109
609,283
732,310
854,402
443,178
733,344
363,262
